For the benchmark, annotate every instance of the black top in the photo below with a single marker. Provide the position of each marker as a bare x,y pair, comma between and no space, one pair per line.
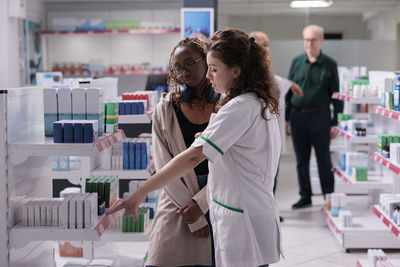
188,131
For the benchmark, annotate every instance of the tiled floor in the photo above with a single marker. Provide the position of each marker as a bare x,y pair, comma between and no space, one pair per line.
307,240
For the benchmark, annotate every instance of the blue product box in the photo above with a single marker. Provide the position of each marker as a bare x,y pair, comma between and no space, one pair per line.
122,108
335,211
137,156
135,109
132,156
143,155
68,132
88,134
125,148
128,108
78,132
58,132
140,106
55,163
64,164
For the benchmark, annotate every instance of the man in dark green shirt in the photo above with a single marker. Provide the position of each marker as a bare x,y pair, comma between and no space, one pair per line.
310,117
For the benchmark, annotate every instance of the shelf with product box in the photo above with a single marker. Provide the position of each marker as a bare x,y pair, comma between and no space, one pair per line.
45,146
366,230
362,187
386,162
125,31
21,235
386,220
356,100
388,113
369,139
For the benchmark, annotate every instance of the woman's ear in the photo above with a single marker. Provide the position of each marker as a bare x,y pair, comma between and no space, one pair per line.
236,72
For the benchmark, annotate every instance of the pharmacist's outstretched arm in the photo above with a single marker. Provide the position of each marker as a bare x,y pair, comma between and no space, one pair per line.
177,167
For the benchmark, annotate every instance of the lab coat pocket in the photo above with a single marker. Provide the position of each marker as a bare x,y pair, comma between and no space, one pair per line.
231,228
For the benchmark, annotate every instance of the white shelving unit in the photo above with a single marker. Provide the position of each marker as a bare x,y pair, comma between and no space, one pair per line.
367,231
365,263
25,171
131,119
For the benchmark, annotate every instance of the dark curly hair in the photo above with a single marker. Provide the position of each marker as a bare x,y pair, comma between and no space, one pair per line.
235,49
174,81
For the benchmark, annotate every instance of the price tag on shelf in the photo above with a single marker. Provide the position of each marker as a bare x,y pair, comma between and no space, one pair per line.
387,164
390,226
376,110
375,157
390,115
380,161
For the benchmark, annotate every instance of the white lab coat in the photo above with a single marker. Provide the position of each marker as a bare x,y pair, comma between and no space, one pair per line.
284,86
243,151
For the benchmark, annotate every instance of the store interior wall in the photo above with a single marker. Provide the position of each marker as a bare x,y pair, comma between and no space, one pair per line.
285,33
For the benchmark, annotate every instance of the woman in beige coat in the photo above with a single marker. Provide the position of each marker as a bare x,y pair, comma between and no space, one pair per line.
181,233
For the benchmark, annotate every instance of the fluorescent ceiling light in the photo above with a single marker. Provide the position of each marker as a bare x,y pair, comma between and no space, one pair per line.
310,3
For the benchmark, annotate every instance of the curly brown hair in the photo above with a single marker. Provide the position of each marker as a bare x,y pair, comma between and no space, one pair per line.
173,79
235,49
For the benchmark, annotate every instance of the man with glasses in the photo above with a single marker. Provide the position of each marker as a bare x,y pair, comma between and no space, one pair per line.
310,116
284,86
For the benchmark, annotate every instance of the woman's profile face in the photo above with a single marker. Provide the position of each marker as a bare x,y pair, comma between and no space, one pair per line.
189,66
221,76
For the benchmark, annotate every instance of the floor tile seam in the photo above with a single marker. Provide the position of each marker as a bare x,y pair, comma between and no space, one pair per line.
312,241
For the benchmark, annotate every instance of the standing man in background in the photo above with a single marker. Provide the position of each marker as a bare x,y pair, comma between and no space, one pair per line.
310,116
283,86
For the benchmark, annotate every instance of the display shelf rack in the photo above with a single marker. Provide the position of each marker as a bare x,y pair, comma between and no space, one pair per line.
131,31
112,72
386,162
391,114
365,263
115,235
46,147
21,235
395,229
356,100
362,186
131,119
366,232
124,174
370,139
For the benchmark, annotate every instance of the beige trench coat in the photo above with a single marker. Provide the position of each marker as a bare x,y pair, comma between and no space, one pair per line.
171,241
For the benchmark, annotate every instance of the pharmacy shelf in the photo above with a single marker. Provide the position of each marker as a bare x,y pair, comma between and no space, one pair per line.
115,235
125,174
362,187
21,235
367,231
131,31
395,229
46,147
366,263
370,139
356,100
361,116
386,162
391,114
81,73
132,119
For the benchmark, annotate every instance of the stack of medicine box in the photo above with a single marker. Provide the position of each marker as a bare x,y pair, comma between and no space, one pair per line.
338,202
360,174
110,117
132,107
384,140
135,153
389,202
74,211
151,198
151,98
129,224
105,186
348,160
75,131
76,104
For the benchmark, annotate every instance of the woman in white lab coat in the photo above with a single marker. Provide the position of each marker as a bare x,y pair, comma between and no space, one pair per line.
242,144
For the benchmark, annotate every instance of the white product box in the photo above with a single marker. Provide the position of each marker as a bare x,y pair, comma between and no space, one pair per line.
63,211
78,103
55,206
69,191
65,102
90,208
72,211
25,214
50,103
80,210
31,214
395,152
94,101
